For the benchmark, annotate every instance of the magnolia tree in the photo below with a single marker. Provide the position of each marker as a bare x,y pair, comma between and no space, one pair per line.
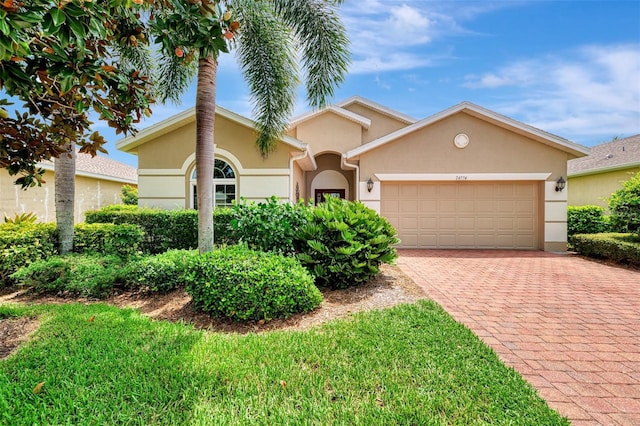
63,59
269,37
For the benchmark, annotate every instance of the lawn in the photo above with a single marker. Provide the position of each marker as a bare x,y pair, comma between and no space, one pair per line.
410,365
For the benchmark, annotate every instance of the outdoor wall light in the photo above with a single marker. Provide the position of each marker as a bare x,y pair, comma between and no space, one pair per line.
369,185
560,184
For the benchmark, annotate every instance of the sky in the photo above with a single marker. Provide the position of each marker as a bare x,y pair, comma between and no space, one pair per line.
571,68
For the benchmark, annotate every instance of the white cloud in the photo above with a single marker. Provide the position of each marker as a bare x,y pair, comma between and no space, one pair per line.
592,91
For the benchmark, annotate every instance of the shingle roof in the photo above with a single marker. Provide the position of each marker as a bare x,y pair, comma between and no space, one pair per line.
102,167
616,154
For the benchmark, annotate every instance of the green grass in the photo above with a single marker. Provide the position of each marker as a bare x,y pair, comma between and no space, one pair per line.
409,365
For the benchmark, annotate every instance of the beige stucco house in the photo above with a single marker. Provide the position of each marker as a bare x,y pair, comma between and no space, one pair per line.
465,177
594,178
99,181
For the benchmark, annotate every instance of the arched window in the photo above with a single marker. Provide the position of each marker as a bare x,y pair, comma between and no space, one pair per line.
224,185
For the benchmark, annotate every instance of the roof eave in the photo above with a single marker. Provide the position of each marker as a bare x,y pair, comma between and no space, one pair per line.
607,169
571,148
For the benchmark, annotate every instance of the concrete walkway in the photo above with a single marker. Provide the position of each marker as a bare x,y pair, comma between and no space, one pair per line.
570,326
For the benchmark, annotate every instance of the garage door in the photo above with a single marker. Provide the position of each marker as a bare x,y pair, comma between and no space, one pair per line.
463,214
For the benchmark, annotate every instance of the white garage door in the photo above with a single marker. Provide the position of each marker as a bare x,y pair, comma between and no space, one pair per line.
463,214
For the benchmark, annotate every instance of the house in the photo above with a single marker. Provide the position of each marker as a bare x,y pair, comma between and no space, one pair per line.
98,183
595,177
465,177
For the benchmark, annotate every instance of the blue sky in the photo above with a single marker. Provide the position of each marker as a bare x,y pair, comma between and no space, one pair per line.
571,68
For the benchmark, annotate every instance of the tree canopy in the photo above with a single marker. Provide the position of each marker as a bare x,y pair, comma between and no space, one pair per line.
63,59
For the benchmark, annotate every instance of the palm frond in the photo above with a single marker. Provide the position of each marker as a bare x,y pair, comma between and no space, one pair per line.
323,41
267,58
173,76
136,59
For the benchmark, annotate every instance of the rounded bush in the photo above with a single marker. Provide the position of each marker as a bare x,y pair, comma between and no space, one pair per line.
345,242
586,220
160,273
624,206
242,284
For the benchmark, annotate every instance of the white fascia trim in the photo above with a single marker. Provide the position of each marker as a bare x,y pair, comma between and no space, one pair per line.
181,172
459,177
93,175
163,127
356,118
605,169
158,129
377,107
480,112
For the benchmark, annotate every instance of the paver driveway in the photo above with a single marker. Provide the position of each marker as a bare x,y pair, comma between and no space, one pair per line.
570,326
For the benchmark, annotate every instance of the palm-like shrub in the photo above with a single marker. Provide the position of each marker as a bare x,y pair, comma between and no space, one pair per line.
345,243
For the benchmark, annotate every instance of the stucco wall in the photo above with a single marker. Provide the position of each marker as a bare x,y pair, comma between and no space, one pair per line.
91,194
329,133
381,124
595,189
166,163
491,150
330,163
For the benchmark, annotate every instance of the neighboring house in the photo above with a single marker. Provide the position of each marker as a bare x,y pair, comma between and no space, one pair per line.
594,178
466,177
98,183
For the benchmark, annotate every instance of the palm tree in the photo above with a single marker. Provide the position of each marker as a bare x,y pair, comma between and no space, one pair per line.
268,36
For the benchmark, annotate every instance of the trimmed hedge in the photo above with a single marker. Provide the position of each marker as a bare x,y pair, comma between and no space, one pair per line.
122,240
160,273
586,220
20,245
87,275
270,226
242,284
165,229
621,248
345,243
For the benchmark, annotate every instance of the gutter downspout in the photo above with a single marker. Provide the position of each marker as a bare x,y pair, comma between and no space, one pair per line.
346,164
291,161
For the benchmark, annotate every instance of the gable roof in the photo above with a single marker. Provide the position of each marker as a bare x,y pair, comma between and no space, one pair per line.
483,114
615,155
100,167
378,108
356,118
130,143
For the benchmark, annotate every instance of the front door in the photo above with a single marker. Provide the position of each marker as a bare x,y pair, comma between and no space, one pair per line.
320,194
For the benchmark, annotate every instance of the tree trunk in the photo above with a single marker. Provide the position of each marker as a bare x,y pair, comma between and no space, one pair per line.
65,191
205,119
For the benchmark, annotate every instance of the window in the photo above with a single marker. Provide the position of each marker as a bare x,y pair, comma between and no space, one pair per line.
224,185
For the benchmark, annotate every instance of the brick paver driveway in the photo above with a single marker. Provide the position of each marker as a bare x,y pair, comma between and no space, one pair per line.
570,326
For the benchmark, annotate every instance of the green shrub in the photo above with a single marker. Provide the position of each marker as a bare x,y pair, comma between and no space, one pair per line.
164,229
160,273
87,275
22,244
242,284
586,220
624,206
106,238
621,248
345,243
269,226
129,195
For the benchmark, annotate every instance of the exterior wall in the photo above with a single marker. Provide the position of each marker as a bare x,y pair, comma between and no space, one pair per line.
381,124
493,153
594,189
91,194
491,150
299,187
329,133
329,172
166,164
